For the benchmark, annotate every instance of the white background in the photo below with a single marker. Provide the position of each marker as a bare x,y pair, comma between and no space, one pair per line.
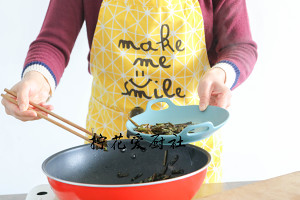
261,139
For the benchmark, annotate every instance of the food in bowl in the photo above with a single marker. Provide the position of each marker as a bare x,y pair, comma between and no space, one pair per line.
162,128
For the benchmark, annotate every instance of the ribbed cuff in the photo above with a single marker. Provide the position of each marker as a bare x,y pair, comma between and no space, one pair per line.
44,70
231,71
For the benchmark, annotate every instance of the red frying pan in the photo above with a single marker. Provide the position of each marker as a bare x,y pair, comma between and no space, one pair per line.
86,174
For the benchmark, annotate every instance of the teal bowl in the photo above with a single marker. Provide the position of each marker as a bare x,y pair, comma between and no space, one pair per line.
204,123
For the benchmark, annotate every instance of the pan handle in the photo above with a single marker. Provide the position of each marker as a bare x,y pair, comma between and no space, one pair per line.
166,100
206,129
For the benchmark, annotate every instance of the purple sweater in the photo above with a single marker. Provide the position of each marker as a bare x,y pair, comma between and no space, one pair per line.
227,34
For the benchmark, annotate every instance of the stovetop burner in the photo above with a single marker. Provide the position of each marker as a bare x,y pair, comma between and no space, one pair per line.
41,192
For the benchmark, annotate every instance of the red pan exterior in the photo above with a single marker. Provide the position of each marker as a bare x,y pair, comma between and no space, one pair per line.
178,189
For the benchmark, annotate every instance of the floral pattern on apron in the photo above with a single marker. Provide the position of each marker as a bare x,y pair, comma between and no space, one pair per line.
147,49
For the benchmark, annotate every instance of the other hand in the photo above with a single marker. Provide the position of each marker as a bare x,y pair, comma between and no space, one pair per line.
212,89
33,87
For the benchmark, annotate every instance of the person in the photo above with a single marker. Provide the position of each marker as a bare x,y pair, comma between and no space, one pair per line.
191,51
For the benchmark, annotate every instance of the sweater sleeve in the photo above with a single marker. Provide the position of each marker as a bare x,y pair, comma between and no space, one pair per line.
234,44
52,48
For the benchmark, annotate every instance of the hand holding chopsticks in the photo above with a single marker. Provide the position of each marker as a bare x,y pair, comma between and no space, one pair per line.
41,115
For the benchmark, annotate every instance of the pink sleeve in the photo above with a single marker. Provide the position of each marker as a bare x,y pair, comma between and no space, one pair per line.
234,41
56,39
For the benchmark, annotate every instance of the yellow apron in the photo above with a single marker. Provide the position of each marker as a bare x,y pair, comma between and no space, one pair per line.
147,49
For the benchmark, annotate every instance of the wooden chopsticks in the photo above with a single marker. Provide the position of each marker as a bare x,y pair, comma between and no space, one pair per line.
39,114
134,123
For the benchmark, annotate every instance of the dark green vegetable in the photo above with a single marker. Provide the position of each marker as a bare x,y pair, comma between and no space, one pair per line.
179,171
164,170
174,160
137,176
162,128
155,177
122,175
165,158
162,175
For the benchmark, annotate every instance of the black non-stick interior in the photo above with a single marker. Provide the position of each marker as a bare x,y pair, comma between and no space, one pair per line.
84,165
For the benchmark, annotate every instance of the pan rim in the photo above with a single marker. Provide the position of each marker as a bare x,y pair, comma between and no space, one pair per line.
130,184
